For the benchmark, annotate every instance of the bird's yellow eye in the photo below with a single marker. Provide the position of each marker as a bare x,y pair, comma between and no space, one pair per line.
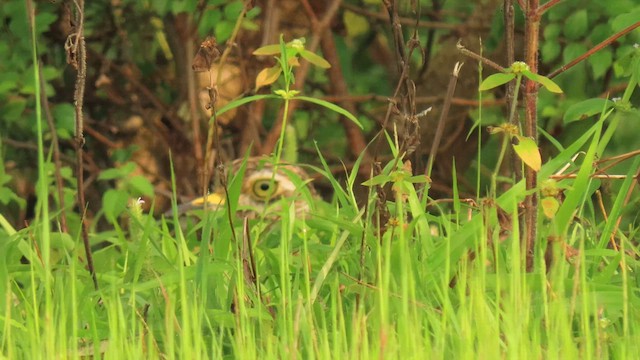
264,188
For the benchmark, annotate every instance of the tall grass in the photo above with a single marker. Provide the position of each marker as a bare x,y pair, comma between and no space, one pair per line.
461,292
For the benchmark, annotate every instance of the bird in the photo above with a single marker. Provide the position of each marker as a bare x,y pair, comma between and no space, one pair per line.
262,190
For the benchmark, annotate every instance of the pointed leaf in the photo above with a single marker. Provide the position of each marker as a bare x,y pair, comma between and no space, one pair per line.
241,101
585,109
549,84
496,80
377,180
543,80
316,60
531,76
268,50
528,151
268,76
332,107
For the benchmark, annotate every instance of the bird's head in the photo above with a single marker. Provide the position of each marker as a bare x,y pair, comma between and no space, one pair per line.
262,188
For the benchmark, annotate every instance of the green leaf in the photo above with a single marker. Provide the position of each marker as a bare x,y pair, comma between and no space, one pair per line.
267,50
417,179
7,195
623,21
44,20
496,80
233,9
543,80
332,107
550,51
223,30
118,172
528,152
114,202
585,109
13,109
140,185
549,84
62,241
8,81
572,51
600,62
377,180
576,25
356,24
64,116
315,59
599,33
241,101
551,32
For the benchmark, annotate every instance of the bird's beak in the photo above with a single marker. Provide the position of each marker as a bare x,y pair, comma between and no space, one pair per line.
211,199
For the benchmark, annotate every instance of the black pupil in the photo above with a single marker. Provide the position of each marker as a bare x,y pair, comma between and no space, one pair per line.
264,186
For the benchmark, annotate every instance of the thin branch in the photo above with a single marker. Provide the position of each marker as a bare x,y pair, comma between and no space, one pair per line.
77,53
466,52
193,111
532,41
212,134
453,80
543,8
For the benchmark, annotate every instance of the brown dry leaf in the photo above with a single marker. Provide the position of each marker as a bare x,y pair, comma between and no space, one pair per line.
206,55
267,76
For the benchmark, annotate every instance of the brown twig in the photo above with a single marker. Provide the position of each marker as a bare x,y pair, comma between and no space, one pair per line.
466,52
532,38
594,49
78,56
543,8
194,113
212,134
453,80
101,138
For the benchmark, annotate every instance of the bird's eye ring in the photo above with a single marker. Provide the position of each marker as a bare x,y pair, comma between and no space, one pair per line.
263,189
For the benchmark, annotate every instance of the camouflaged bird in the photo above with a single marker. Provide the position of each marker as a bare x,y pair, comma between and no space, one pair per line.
262,190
